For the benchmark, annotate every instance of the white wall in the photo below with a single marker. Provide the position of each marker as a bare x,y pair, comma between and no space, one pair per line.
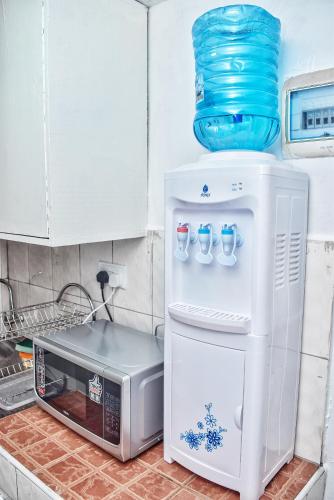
307,41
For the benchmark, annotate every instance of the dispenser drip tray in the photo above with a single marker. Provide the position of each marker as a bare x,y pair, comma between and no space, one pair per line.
212,319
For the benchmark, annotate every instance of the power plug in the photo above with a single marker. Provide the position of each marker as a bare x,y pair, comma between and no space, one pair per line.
102,277
118,277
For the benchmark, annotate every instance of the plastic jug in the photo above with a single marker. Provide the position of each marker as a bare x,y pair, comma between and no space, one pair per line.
236,51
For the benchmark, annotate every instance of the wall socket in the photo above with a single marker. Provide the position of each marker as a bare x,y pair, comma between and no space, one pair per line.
118,275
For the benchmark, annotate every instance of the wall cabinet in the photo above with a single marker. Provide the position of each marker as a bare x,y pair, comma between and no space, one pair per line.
73,120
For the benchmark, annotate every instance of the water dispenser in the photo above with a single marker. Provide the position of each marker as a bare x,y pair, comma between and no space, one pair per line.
235,269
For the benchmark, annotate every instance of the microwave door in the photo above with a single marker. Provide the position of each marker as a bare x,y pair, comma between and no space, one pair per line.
73,390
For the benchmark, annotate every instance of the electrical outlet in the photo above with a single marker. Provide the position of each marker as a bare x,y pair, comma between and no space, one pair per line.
118,275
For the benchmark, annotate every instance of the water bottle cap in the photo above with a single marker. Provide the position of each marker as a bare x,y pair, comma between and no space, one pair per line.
227,230
182,229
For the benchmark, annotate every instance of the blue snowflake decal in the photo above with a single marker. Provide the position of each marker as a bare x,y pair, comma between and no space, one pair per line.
210,433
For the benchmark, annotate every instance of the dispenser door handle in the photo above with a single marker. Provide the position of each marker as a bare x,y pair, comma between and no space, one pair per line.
238,414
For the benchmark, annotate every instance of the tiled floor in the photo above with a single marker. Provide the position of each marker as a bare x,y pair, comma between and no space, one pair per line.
76,469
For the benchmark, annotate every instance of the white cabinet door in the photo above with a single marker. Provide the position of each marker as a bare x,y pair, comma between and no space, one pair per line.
207,398
23,196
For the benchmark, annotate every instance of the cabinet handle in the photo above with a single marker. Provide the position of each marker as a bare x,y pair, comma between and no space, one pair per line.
238,416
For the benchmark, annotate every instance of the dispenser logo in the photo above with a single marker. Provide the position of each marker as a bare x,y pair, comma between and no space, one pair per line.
205,191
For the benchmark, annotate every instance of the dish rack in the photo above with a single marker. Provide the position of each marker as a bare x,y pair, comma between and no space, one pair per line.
16,387
17,380
45,317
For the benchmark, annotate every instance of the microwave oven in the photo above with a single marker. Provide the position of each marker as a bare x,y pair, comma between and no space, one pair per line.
104,381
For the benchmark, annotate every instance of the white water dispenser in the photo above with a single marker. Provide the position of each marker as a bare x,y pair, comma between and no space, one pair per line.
235,259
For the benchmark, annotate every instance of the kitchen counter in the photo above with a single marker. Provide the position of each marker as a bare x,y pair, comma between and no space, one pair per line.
40,458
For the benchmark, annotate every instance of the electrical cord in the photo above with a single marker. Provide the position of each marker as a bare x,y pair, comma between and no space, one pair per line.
99,307
105,304
102,277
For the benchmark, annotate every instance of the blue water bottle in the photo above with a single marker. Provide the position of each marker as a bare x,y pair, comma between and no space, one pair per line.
236,51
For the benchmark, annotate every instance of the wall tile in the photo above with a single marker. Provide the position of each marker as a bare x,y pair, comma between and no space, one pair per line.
136,254
311,407
18,261
21,292
65,267
8,478
158,274
3,259
318,298
90,254
40,265
142,322
38,294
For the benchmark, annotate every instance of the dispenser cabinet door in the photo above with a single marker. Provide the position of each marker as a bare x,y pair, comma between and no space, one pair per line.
207,398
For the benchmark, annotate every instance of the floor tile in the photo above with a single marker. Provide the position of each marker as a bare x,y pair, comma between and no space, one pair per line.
7,445
153,487
94,487
70,440
9,425
277,484
123,495
291,468
186,495
69,470
207,488
25,437
45,452
51,426
292,490
25,460
95,456
90,473
34,414
306,471
50,481
174,471
153,455
124,472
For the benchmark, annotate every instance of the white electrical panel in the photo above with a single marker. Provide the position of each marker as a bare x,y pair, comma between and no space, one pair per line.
308,115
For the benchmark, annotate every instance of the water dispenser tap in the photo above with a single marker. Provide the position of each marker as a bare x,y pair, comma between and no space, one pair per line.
184,238
207,239
230,241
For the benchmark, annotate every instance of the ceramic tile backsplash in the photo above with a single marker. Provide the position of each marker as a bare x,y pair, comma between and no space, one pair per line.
40,266
18,267
65,266
90,254
158,274
35,271
136,254
133,319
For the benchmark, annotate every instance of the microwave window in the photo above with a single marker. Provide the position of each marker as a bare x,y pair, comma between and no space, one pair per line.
80,394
